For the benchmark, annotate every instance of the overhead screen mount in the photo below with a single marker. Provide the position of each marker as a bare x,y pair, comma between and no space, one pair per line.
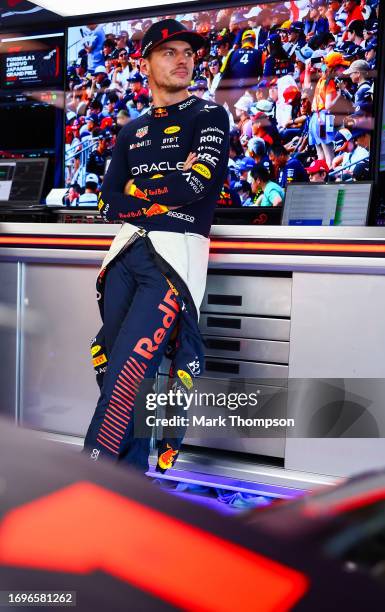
21,182
327,204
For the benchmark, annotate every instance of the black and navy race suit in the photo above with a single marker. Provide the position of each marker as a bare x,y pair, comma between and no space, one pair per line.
152,150
143,302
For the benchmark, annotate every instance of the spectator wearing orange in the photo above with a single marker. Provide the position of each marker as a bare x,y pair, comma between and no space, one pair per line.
325,97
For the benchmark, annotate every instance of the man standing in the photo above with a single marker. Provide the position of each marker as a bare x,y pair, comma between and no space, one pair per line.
167,170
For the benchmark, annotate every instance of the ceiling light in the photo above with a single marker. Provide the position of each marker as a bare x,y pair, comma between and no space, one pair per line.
70,8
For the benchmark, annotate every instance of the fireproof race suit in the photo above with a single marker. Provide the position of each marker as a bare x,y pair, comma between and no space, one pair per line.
140,309
152,150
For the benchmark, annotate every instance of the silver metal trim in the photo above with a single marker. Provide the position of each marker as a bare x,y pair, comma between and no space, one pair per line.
243,472
234,231
19,341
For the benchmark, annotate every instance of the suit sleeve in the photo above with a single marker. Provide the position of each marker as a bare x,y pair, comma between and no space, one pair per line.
153,196
113,203
211,143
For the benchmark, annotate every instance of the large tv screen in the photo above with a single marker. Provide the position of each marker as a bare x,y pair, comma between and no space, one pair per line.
296,78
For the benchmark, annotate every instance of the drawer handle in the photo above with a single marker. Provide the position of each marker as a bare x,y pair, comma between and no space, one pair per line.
224,322
225,367
224,345
224,300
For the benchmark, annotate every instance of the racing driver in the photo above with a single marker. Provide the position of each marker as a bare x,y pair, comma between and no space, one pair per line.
167,171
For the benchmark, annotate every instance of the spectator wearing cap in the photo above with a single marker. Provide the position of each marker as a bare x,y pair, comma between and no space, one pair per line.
100,83
277,62
97,159
200,88
242,189
326,95
90,195
284,110
244,166
299,122
136,88
370,53
242,112
264,106
241,67
254,24
81,78
287,170
358,72
292,97
261,89
262,127
269,109
272,193
341,144
301,57
318,171
223,44
142,104
357,151
296,37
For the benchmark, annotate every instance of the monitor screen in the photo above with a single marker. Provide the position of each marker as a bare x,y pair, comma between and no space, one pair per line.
31,126
34,60
21,181
297,84
320,204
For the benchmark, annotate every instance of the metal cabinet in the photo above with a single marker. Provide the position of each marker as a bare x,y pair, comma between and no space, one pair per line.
245,323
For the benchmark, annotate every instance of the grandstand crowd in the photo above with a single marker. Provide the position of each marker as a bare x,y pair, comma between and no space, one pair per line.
296,79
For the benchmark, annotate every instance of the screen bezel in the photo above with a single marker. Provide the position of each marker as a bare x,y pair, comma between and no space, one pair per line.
328,185
377,177
11,204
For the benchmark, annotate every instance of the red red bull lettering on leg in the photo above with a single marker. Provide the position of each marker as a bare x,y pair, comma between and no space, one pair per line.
146,347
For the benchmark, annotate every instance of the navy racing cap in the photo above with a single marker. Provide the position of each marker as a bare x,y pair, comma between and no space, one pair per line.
169,29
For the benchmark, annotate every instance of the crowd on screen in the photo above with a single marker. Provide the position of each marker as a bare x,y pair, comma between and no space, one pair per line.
296,79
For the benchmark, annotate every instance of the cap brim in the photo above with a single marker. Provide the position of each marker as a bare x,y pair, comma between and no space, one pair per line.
196,40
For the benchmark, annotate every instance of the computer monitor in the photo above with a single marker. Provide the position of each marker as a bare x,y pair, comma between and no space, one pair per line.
21,182
327,204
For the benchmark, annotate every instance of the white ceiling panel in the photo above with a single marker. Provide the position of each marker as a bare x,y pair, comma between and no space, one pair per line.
70,8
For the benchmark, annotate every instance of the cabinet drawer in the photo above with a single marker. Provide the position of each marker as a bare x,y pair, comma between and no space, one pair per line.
260,373
262,328
267,351
255,295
